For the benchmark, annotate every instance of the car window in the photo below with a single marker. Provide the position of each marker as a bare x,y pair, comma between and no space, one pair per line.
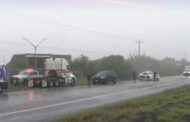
34,73
24,73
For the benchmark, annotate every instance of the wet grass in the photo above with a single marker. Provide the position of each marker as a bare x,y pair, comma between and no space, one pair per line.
171,106
81,81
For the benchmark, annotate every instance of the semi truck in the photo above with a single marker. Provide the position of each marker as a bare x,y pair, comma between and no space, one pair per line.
56,73
3,77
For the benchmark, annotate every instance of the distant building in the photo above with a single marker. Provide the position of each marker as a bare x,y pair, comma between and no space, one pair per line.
20,61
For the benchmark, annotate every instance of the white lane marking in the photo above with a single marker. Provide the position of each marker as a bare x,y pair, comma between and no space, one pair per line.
75,101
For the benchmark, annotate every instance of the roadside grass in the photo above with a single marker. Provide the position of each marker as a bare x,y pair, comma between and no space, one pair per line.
81,81
170,106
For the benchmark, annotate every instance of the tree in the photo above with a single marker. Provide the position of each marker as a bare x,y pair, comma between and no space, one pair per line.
79,64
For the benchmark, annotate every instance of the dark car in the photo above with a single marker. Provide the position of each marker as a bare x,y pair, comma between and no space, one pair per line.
104,77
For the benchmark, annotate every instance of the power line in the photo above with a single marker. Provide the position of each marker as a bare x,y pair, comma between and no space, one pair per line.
64,25
58,48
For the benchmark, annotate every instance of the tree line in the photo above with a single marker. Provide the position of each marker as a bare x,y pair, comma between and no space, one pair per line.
124,68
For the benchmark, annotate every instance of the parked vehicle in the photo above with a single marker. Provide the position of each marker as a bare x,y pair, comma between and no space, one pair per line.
149,76
186,73
56,73
3,78
104,77
25,76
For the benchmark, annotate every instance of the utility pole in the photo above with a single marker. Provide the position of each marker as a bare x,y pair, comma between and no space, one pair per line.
35,49
139,42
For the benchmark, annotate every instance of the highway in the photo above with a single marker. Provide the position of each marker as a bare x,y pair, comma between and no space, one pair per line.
43,105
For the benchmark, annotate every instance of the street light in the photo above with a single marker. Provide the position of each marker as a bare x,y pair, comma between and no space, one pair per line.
35,48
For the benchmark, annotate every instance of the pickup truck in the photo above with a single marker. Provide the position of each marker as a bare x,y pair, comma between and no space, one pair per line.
25,76
3,78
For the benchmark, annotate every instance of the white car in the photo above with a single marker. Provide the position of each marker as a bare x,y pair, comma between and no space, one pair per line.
186,74
149,76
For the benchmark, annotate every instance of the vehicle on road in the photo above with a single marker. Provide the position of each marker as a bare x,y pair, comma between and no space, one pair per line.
149,76
55,74
3,78
104,77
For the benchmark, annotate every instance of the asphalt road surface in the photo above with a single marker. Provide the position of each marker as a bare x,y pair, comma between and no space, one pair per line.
43,105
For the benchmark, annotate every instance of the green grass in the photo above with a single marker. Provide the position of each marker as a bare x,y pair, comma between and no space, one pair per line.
81,81
171,106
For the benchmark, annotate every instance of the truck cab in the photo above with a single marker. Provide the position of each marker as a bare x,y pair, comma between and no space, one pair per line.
3,78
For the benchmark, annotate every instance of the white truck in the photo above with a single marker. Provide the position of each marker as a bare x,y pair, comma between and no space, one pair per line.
3,78
56,73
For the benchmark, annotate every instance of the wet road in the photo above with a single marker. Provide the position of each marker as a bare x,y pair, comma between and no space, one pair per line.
44,105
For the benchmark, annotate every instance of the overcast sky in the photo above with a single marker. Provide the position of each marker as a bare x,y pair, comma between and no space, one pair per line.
95,28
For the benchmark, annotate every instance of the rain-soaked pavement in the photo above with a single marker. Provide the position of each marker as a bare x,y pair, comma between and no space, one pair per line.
44,105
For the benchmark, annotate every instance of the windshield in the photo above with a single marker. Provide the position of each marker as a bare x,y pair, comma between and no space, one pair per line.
102,74
24,73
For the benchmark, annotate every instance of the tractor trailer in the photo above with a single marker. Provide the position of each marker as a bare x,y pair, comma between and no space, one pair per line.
56,73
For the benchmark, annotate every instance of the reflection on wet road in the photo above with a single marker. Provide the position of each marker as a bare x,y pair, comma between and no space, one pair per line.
47,104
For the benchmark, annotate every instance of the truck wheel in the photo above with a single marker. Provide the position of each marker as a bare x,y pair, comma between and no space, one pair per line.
72,82
50,83
1,89
57,84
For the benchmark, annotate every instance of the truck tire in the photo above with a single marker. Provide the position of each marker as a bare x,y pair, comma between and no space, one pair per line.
56,84
50,84
72,82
